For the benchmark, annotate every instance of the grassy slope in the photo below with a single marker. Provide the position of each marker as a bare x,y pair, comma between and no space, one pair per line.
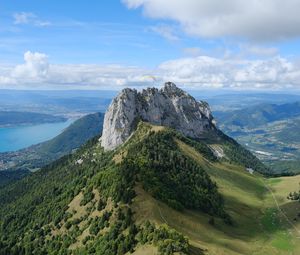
259,227
288,209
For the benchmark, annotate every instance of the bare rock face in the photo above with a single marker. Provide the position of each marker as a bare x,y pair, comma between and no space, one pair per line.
169,106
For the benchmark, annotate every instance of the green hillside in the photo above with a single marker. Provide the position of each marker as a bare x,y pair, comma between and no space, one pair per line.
159,193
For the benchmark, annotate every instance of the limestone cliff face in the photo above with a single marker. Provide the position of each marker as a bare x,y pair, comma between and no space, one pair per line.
169,106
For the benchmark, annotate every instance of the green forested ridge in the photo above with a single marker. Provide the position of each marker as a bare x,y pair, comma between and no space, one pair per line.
170,176
85,208
75,135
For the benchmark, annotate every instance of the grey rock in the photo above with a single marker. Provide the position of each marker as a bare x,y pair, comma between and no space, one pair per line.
169,106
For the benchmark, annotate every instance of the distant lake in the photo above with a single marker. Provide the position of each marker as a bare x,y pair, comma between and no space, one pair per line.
15,138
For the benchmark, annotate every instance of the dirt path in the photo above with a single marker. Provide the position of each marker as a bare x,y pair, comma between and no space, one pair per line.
280,210
163,218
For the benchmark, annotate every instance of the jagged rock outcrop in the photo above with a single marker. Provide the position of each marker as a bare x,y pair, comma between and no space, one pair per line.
169,106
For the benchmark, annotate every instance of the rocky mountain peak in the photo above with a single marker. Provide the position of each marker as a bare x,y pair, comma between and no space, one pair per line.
169,106
172,90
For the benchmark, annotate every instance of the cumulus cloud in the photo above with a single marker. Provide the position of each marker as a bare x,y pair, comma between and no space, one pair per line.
29,18
36,66
208,72
258,20
191,72
37,72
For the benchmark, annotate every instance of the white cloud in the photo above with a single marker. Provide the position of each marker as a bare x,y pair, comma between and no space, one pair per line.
37,72
36,66
208,72
192,72
165,31
23,17
29,18
258,20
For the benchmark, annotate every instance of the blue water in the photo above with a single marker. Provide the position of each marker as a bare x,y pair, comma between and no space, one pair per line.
15,138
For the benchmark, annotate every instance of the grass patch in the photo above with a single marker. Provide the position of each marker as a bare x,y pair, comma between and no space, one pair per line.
270,220
282,241
273,181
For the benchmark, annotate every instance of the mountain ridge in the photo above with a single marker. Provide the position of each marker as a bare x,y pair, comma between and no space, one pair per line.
144,196
169,106
258,115
81,208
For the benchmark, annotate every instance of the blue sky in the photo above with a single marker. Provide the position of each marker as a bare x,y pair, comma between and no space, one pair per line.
112,44
84,32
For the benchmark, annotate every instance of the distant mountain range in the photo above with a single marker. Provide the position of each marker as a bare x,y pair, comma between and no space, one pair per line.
37,156
270,131
240,100
258,115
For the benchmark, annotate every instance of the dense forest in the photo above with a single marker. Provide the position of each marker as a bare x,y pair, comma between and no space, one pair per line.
172,177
